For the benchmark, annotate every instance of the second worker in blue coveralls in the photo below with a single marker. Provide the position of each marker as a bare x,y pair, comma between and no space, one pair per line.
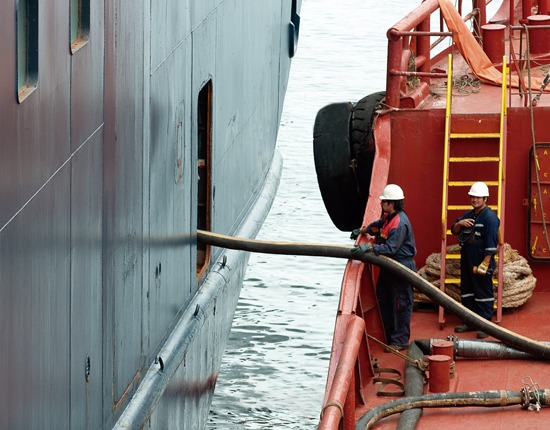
477,232
395,239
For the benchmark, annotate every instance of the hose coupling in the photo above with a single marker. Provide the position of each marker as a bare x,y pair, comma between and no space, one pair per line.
530,399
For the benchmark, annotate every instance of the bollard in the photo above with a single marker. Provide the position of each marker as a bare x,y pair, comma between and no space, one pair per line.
445,347
539,39
493,41
439,366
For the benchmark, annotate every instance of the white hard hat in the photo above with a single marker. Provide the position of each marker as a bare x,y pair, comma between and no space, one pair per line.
392,192
479,189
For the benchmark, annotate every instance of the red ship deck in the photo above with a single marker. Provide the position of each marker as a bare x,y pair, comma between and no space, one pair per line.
478,374
412,134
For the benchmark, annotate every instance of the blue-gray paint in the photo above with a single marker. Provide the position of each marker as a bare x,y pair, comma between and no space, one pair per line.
91,189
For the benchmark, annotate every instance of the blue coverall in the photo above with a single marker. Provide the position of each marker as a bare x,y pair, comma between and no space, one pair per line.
395,239
476,292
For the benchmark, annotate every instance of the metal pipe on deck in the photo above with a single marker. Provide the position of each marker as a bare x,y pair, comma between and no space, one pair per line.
420,14
491,398
423,60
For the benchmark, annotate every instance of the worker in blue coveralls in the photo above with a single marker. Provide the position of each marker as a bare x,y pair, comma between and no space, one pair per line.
395,239
477,232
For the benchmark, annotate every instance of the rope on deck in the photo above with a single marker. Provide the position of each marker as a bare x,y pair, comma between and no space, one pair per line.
518,280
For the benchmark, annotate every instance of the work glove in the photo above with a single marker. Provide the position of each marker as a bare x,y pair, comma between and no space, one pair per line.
360,250
355,234
482,269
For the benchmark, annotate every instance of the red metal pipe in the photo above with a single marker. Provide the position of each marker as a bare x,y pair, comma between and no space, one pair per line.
394,33
418,74
423,59
525,10
531,27
481,18
395,46
349,407
420,62
392,82
333,410
418,15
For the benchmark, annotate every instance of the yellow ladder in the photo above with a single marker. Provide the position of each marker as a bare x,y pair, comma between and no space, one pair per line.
455,166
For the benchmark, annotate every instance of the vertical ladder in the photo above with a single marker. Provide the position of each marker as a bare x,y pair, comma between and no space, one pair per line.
454,166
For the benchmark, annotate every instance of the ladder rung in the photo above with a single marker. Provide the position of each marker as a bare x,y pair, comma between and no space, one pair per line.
457,281
469,183
472,159
457,256
473,135
459,207
466,207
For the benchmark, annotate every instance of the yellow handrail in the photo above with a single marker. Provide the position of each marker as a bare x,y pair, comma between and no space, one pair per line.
446,149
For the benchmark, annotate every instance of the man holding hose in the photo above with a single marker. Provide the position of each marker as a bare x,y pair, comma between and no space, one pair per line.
395,239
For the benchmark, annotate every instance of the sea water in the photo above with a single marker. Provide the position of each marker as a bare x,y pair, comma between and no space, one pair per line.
274,370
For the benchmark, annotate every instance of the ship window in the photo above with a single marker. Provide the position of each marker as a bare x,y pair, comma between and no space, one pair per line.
27,48
204,139
293,30
80,24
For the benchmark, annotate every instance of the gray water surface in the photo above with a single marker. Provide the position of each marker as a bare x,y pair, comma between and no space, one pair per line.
274,371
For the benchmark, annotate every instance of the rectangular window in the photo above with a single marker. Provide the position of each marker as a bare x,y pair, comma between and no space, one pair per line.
27,48
80,24
204,165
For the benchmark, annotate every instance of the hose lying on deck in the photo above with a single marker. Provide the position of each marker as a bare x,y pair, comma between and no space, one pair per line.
491,398
520,342
463,348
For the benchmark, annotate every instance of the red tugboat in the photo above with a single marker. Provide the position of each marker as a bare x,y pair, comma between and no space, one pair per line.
477,110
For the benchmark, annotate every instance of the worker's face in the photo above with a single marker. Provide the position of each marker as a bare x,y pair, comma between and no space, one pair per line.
478,202
387,206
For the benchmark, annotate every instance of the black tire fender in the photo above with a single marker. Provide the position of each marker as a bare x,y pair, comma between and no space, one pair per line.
332,156
362,140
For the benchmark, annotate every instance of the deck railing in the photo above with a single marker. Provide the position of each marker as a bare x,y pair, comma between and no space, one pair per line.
417,25
413,33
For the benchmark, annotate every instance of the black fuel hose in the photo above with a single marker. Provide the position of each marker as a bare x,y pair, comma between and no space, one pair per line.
491,398
414,383
463,348
518,341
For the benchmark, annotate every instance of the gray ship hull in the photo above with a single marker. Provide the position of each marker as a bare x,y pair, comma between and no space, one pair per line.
152,120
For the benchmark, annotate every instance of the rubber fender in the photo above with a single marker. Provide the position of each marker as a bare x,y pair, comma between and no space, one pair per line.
362,140
332,156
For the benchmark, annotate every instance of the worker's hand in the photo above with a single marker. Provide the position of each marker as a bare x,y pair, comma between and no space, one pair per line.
360,250
466,223
355,234
482,269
